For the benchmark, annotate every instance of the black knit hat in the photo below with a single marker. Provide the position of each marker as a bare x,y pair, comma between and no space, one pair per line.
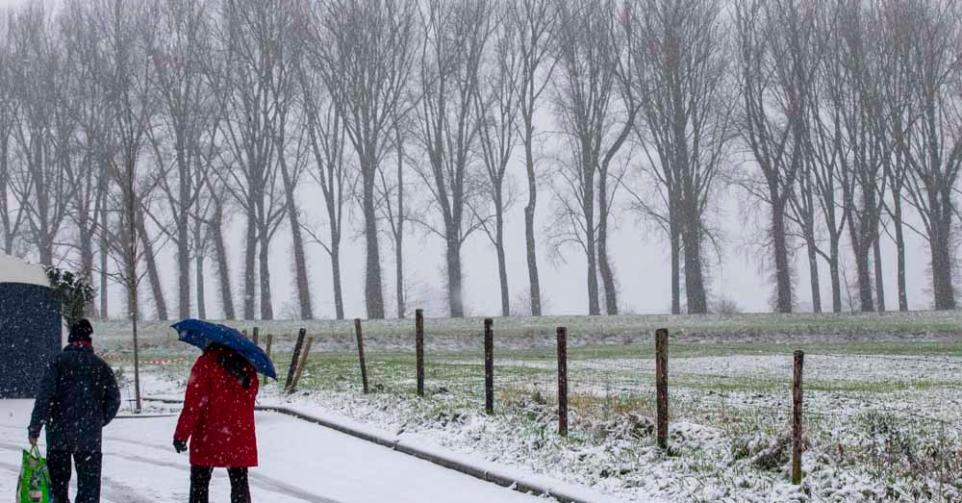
80,331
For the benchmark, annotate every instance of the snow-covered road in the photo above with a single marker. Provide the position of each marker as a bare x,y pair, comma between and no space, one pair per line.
298,462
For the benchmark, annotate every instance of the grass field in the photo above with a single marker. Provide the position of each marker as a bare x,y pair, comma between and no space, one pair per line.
883,400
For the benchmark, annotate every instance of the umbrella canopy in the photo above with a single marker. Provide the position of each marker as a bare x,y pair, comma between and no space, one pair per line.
202,333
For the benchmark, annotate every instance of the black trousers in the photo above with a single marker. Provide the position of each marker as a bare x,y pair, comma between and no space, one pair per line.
200,483
88,475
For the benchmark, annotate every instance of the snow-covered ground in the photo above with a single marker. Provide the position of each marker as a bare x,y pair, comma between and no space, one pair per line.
883,408
299,462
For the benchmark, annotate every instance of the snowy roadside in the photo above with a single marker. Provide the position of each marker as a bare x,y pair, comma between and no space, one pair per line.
299,462
882,418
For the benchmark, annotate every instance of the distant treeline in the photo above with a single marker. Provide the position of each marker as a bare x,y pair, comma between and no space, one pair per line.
135,128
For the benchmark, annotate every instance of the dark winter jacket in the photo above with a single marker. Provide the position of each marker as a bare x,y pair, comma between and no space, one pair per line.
78,396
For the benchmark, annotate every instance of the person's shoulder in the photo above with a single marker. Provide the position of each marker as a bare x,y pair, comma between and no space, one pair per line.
205,359
100,361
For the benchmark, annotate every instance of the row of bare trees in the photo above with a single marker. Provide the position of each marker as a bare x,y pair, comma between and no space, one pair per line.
132,128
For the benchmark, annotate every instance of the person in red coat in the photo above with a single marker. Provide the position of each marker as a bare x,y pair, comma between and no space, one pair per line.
218,420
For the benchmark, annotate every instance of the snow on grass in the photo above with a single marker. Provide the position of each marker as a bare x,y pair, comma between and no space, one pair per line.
882,419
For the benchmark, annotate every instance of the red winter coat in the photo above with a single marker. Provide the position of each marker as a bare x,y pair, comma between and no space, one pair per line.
218,415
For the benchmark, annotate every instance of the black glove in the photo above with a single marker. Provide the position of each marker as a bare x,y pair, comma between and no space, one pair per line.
180,446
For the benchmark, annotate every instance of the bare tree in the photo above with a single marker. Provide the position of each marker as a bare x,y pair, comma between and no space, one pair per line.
43,128
823,179
179,56
932,141
393,206
896,43
126,29
776,71
681,61
291,139
11,215
86,104
588,52
457,33
533,22
149,243
365,52
327,141
496,101
855,105
257,75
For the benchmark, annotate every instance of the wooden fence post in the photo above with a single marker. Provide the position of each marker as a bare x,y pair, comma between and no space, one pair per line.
797,418
661,384
301,363
294,357
562,381
488,366
419,348
267,346
360,353
256,336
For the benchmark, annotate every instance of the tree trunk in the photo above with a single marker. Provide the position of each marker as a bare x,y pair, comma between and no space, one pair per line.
300,266
86,245
675,239
223,268
156,286
861,247
940,248
250,273
607,276
267,305
399,274
201,305
604,263
455,301
374,297
594,308
783,275
534,282
502,263
300,259
864,277
183,242
336,277
879,280
104,256
812,248
836,275
694,279
900,254
399,233
183,272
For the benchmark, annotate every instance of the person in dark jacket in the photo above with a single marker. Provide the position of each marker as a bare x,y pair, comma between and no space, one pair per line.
78,396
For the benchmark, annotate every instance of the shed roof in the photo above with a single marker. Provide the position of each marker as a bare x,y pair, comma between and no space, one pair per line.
15,270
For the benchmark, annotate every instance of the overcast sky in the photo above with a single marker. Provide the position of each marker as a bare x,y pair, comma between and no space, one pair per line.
639,254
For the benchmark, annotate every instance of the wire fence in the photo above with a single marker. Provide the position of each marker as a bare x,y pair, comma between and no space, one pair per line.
894,414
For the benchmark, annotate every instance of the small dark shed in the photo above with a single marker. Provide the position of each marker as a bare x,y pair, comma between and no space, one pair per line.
30,327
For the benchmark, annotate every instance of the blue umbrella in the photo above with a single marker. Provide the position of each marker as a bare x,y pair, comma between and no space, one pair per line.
201,334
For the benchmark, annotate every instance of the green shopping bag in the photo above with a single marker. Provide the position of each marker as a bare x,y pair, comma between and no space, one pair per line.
34,483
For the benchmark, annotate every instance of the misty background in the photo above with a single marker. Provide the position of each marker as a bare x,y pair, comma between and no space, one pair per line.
740,271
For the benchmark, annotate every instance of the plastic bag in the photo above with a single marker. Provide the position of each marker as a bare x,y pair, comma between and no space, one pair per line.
34,483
